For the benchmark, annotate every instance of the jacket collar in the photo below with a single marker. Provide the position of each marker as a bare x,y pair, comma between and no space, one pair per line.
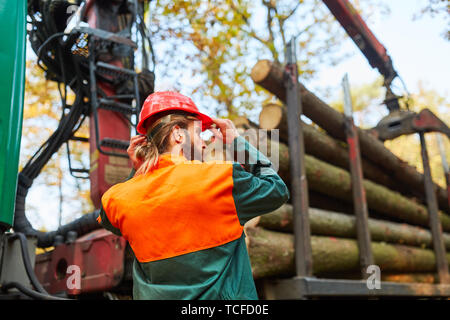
168,159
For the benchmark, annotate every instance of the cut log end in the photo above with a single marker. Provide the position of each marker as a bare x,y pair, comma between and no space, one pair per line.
261,70
271,116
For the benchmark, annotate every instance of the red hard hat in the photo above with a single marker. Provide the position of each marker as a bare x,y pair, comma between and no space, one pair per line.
165,101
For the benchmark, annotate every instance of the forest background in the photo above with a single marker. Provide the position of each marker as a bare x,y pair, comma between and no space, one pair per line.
206,49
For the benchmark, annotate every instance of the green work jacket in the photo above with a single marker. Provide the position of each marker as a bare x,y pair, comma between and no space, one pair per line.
216,265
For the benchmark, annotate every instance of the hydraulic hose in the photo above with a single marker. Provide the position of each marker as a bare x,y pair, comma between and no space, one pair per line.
81,226
41,293
27,261
48,21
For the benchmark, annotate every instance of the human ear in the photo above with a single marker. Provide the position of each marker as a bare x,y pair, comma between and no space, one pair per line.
178,134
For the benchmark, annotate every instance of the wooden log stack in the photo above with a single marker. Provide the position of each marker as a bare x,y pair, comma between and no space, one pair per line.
398,216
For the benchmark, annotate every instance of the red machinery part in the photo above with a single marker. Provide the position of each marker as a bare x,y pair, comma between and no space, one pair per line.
98,256
357,29
106,170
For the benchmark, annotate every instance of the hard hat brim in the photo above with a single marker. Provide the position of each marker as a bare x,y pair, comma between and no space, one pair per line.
206,120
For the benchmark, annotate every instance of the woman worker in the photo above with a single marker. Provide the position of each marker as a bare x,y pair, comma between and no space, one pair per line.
184,217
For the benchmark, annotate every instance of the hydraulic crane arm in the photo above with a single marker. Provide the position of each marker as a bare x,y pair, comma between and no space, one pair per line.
398,122
369,45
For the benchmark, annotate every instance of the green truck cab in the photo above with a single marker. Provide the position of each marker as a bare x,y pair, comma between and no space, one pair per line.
12,88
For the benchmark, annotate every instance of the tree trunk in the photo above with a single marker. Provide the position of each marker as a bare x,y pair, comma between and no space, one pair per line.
324,147
336,182
272,254
329,223
270,76
324,202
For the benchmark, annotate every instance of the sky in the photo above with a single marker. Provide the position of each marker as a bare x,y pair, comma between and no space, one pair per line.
417,48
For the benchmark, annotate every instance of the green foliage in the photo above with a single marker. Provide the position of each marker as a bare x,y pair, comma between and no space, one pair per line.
215,44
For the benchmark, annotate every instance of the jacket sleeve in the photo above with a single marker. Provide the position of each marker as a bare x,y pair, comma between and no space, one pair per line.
257,188
103,218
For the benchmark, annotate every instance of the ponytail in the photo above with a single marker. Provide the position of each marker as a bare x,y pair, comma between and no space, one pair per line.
158,138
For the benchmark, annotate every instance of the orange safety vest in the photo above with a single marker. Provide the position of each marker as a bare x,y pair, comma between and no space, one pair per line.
179,207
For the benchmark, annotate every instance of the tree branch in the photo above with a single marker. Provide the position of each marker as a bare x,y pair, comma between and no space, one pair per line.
271,41
282,20
281,24
291,13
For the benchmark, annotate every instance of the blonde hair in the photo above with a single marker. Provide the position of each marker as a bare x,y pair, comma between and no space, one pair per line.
158,141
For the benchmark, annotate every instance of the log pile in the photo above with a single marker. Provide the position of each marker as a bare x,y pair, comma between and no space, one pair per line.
398,216
272,255
270,76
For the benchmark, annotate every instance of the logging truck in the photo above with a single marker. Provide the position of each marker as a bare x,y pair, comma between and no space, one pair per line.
323,243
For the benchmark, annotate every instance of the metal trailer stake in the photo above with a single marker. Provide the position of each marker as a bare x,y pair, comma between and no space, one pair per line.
359,193
444,165
435,223
304,285
299,186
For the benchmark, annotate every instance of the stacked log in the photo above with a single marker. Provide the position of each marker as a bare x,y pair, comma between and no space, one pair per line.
403,252
336,183
335,224
323,147
272,255
269,75
399,220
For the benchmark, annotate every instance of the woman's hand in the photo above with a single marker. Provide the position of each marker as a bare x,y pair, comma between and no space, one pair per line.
134,142
228,131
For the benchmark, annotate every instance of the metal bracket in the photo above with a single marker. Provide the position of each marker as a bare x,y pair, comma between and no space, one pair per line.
305,287
359,195
402,122
299,185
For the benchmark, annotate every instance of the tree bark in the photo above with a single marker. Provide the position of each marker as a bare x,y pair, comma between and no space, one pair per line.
272,255
329,223
316,199
336,182
324,202
269,75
